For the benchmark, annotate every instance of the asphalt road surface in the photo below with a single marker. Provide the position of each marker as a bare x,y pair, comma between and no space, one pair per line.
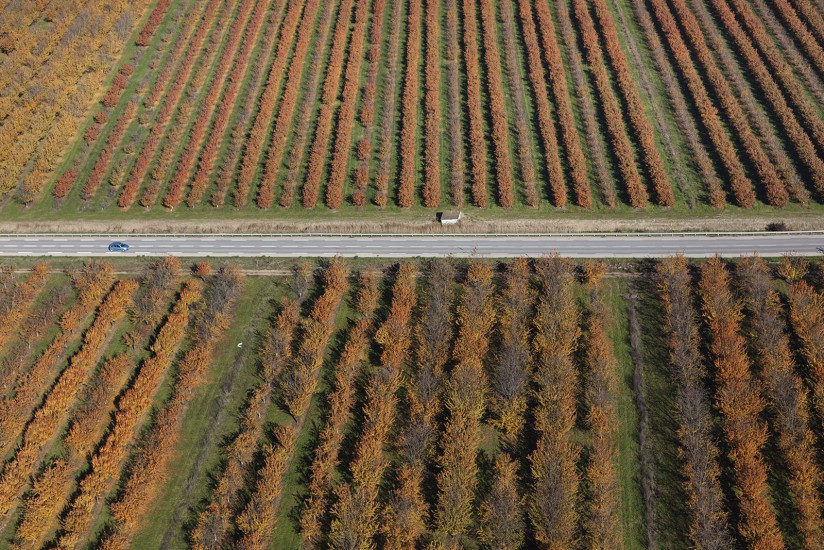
613,246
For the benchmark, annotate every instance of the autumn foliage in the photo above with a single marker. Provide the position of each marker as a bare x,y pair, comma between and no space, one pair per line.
409,109
268,100
346,116
552,510
329,98
432,107
739,400
500,128
708,521
477,138
106,462
786,394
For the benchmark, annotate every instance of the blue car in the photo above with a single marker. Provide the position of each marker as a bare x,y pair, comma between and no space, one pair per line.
117,246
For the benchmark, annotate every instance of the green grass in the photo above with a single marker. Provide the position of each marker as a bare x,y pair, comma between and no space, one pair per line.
204,424
631,510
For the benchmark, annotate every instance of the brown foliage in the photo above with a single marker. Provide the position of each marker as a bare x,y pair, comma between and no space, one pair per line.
477,141
636,192
555,481
106,462
334,68
346,115
635,109
171,91
500,128
740,184
242,36
784,114
409,109
786,394
776,192
432,107
740,402
502,522
708,521
289,97
148,30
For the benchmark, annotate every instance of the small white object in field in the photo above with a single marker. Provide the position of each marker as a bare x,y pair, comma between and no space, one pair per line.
240,344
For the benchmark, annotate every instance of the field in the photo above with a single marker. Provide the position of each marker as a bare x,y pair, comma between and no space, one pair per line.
433,404
262,107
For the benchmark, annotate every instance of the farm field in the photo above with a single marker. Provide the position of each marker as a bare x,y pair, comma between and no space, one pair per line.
309,110
439,404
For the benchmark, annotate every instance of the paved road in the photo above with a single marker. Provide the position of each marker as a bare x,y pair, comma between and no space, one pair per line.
412,246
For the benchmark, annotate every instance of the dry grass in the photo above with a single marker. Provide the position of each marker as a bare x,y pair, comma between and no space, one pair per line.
471,224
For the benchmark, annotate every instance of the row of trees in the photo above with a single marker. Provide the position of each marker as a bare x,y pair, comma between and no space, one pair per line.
93,407
153,457
408,515
686,122
47,420
592,128
328,102
89,417
409,109
797,97
31,334
387,135
477,140
186,109
356,515
807,316
367,111
107,462
214,523
555,482
301,125
342,143
613,112
600,398
560,92
256,522
245,26
288,101
497,107
17,299
740,184
702,484
245,118
91,282
457,167
739,399
341,402
635,110
784,114
45,109
786,394
776,192
465,400
101,166
432,107
171,92
525,151
266,110
229,96
154,21
556,76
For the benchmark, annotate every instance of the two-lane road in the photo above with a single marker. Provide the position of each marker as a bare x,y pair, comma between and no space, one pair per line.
594,246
